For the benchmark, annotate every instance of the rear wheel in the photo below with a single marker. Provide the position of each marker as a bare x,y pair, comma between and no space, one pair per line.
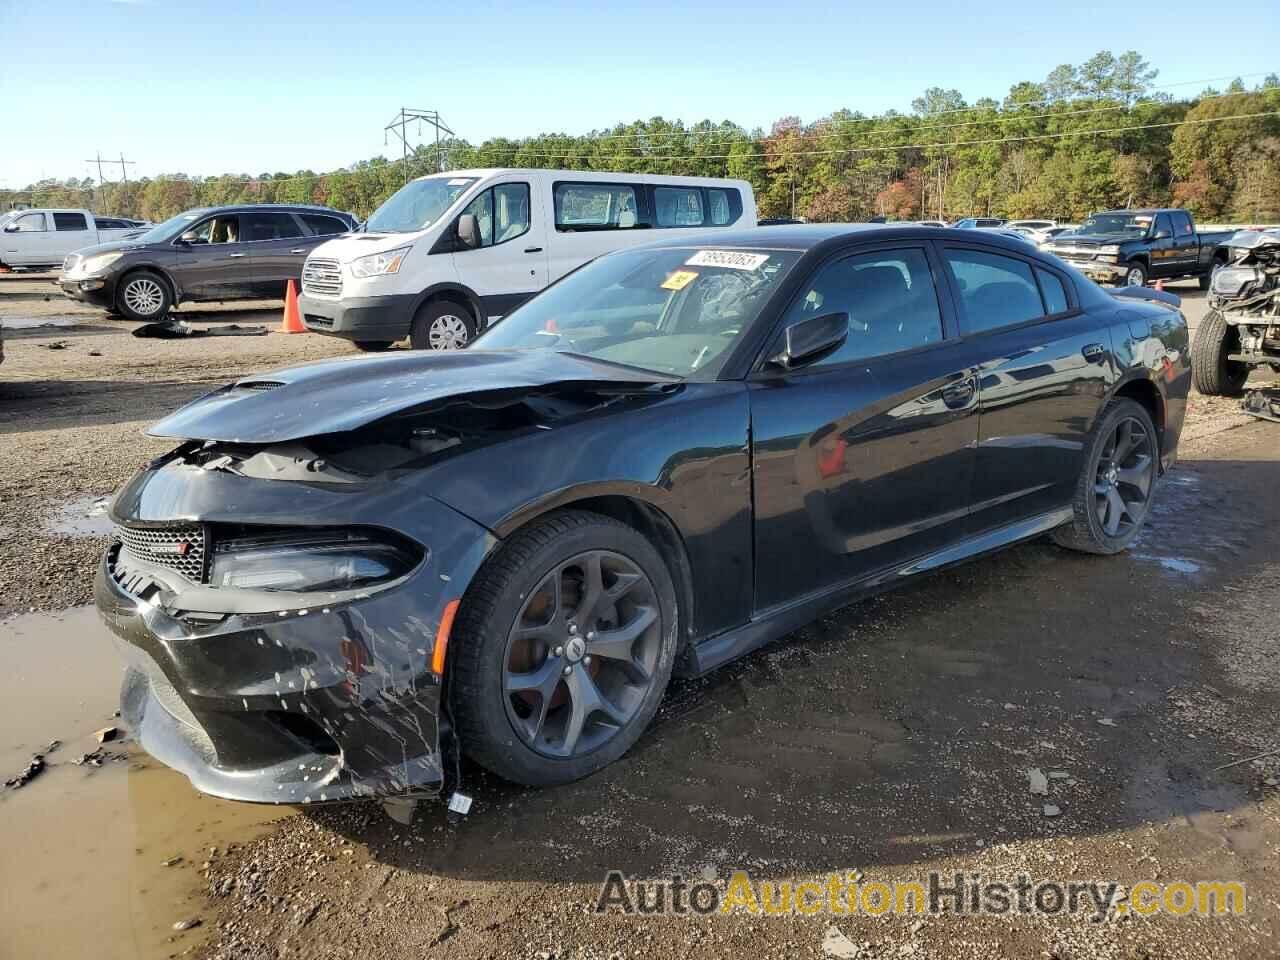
442,325
1113,492
372,346
143,295
1211,372
563,649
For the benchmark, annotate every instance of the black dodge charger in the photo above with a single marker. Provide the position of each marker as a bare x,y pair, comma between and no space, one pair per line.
346,570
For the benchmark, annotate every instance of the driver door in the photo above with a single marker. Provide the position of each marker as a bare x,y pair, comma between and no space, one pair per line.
210,267
510,264
864,459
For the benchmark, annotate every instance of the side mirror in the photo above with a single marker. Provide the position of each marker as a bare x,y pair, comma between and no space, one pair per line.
1161,235
10,228
189,238
806,339
468,231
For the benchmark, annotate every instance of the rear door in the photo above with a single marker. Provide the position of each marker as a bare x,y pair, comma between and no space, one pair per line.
275,244
71,232
510,265
1043,366
864,459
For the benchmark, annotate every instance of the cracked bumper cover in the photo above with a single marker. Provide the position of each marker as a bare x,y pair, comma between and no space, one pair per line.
305,704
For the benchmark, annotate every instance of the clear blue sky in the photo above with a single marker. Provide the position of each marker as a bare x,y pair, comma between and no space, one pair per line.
246,87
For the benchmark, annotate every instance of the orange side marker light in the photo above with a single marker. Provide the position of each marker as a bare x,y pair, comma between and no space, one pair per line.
442,638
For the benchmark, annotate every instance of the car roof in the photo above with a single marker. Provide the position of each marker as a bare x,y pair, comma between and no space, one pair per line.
242,207
810,236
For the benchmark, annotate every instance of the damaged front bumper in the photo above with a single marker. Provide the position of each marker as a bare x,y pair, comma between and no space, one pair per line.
330,696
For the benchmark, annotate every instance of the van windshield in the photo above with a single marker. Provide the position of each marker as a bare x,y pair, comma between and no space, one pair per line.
417,204
678,311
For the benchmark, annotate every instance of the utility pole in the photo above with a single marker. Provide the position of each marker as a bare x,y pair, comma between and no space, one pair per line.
123,174
101,180
399,126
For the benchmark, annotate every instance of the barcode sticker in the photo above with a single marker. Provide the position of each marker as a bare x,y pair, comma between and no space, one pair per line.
733,259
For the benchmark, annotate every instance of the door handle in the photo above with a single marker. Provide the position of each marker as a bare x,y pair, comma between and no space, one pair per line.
1093,352
298,250
233,256
532,249
957,395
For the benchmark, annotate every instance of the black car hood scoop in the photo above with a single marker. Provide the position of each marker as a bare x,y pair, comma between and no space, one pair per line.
332,396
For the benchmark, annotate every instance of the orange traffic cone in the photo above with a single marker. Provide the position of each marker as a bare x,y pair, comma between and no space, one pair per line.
292,321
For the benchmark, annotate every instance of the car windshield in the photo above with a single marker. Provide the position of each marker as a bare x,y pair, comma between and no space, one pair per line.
171,228
417,204
675,311
1134,223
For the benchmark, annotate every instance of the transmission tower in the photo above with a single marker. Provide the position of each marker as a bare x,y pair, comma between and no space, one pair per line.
399,126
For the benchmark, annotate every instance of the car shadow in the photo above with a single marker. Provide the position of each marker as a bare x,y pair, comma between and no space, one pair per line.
902,728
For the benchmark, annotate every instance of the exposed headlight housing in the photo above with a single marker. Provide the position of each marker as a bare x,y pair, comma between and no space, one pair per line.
379,264
1236,282
301,561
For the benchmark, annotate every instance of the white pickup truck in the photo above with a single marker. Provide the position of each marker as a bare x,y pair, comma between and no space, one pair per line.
44,237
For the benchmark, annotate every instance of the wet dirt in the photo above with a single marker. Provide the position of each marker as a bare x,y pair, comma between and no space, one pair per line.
82,517
84,845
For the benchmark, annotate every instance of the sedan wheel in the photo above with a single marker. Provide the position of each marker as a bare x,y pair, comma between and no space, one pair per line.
581,654
1122,484
562,648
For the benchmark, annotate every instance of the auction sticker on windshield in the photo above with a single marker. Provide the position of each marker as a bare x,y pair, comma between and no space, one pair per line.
679,280
734,259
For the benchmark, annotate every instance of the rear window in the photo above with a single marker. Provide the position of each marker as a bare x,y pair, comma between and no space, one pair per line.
995,291
322,225
70,221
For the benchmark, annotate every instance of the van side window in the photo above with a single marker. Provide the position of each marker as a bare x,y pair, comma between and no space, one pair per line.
678,206
596,206
510,211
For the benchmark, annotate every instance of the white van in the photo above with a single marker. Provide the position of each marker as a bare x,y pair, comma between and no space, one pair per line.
448,254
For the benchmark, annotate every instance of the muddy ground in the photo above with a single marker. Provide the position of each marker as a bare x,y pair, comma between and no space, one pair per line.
893,738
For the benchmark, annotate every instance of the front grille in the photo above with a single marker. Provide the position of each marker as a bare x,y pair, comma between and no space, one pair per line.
179,547
315,320
259,384
321,277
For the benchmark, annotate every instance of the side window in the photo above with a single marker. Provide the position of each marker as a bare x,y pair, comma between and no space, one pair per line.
224,228
595,206
1181,225
323,226
995,291
30,223
678,206
718,206
482,209
273,225
510,211
889,297
105,223
1055,294
1163,225
70,221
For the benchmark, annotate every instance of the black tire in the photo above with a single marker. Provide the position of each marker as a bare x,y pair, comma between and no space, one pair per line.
143,289
1087,531
481,648
1135,274
442,325
373,346
1211,372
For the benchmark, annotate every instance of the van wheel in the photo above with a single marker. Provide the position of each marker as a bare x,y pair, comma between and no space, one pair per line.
442,325
143,295
372,346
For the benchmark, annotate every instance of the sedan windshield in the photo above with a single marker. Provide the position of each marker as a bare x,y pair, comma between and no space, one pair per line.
1132,223
171,228
417,204
675,311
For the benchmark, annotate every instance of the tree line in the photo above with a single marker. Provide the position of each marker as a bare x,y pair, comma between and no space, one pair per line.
1086,137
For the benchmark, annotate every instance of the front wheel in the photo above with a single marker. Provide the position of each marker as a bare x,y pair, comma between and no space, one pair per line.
442,325
1113,492
1212,373
563,648
143,296
1135,274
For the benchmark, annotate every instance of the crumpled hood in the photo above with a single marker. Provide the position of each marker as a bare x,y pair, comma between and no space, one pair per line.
332,396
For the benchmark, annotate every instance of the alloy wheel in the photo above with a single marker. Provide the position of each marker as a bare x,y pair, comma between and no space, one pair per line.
1122,483
1134,278
581,656
447,332
143,296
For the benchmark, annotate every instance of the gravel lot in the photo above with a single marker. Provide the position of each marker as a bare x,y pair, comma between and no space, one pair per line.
893,737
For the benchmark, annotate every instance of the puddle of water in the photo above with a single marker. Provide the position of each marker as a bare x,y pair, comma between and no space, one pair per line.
81,872
34,323
82,517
